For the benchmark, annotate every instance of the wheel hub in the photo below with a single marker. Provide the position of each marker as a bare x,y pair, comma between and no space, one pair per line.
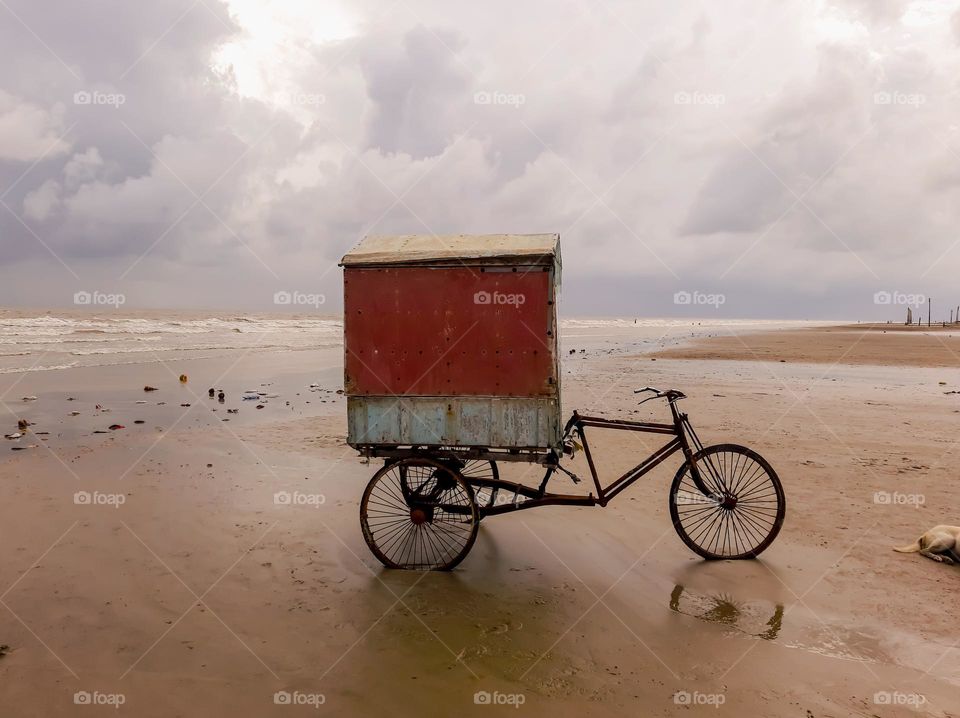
729,502
418,516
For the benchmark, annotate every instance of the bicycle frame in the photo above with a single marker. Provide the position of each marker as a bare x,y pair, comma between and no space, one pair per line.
684,439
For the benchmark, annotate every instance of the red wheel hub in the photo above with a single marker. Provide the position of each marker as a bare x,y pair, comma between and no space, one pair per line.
418,516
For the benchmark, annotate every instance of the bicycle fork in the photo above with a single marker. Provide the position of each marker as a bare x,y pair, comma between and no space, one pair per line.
691,445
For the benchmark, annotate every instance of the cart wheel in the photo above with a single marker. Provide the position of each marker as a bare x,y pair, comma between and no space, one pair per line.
740,515
475,471
419,514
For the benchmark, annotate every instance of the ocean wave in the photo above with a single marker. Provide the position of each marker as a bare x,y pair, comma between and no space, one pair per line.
56,325
106,340
216,352
205,347
38,367
185,348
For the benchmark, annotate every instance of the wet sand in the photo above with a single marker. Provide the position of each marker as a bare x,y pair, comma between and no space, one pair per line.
200,595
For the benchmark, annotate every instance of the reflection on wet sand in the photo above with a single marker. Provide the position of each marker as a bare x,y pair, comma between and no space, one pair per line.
725,610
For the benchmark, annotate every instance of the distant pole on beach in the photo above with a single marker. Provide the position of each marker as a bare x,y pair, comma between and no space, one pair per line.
929,304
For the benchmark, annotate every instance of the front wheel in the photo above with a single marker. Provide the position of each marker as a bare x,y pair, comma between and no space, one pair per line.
742,510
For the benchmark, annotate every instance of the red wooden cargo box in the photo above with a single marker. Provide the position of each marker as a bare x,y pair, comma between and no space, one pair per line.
452,341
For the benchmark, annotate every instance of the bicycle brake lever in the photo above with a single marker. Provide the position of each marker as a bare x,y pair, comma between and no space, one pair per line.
573,477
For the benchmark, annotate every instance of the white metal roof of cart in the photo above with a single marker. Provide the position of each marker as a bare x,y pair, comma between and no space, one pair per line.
417,248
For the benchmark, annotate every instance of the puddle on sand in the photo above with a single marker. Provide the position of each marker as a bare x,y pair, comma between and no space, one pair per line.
764,620
759,619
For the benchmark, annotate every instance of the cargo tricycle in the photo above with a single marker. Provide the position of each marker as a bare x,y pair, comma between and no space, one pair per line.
451,370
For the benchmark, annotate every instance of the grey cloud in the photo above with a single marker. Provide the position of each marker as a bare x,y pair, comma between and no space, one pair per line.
83,167
740,195
29,132
39,203
415,87
875,11
796,143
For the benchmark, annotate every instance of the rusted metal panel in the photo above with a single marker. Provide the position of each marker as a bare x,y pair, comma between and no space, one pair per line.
461,421
452,341
455,331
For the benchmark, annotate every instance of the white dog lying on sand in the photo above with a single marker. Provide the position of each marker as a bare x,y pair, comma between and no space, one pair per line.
941,543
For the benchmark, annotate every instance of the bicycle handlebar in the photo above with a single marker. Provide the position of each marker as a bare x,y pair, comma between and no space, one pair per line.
648,388
669,394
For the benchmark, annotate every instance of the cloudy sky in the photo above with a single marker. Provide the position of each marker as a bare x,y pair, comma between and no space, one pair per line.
795,156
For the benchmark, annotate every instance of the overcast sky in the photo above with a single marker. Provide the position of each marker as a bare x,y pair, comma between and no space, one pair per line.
794,156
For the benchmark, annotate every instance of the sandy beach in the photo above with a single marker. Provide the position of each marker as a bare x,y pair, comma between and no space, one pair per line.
180,584
893,345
